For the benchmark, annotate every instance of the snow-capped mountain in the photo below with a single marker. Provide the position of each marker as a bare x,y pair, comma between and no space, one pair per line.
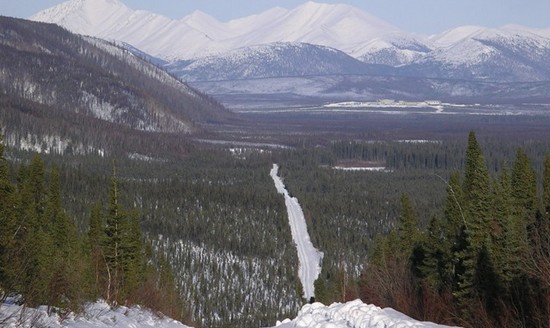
199,47
271,60
393,50
198,34
333,25
475,53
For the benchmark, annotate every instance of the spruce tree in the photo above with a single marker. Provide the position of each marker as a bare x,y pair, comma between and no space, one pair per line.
8,224
114,231
34,241
454,208
472,162
546,187
408,230
133,259
504,234
36,185
524,187
477,194
96,239
474,236
65,251
432,257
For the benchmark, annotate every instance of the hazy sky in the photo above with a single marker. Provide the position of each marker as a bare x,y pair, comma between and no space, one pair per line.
421,16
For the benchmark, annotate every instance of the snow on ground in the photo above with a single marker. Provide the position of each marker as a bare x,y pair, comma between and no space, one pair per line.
309,257
361,168
354,314
99,314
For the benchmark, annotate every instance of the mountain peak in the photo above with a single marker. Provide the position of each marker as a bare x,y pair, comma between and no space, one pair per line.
198,15
81,16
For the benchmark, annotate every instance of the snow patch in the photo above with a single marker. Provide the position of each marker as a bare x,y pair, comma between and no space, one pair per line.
98,314
354,314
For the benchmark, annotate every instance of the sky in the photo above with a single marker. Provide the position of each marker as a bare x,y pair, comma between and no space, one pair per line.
419,16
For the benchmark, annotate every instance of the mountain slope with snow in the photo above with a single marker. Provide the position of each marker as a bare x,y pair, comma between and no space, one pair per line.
270,60
476,53
199,47
198,34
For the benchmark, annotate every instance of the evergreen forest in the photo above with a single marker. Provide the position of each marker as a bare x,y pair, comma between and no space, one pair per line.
207,233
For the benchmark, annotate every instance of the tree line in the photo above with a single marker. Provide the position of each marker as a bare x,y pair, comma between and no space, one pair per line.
484,262
45,259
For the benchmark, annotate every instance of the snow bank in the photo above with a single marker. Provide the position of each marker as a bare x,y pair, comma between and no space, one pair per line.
355,314
99,314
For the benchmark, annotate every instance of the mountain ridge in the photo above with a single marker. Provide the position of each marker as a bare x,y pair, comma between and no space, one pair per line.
307,23
510,53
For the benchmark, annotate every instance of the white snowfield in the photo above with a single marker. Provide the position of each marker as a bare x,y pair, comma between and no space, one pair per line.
309,257
355,314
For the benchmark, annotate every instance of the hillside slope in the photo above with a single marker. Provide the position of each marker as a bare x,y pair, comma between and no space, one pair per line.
78,93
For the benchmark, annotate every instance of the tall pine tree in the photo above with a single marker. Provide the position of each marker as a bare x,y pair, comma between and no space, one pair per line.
114,235
546,187
524,186
8,224
477,193
408,230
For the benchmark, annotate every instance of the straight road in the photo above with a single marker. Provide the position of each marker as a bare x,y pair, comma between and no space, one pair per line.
309,257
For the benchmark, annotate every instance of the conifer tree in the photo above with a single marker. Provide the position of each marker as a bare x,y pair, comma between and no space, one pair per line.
472,163
8,224
114,231
65,250
476,194
546,187
432,258
408,230
132,248
34,241
35,182
504,234
524,186
95,239
61,226
475,233
454,208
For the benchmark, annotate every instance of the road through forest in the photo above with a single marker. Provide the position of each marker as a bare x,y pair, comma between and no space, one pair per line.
308,256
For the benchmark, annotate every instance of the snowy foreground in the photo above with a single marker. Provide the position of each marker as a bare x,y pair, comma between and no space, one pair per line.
309,257
355,314
99,314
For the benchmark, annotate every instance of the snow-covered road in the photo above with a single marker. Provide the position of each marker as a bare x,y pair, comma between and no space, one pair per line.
309,257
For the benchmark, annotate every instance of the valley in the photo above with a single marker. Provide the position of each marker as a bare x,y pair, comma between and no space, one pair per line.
210,144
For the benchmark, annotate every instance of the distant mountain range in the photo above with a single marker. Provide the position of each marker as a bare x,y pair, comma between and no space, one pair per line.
313,39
